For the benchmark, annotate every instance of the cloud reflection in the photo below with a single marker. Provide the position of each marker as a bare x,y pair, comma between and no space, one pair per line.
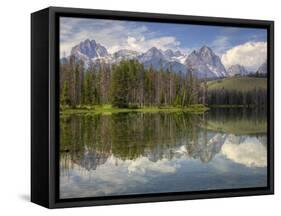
249,151
189,166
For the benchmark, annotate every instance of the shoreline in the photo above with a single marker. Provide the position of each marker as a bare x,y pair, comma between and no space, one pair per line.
108,109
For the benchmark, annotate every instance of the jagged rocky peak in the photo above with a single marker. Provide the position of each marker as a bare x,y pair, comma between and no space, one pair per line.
152,56
169,53
157,58
90,49
154,51
208,56
205,50
178,53
237,69
206,63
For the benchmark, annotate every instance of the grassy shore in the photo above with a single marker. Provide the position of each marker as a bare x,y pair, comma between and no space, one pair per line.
108,109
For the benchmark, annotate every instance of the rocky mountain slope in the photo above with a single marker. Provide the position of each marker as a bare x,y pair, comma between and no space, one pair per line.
203,62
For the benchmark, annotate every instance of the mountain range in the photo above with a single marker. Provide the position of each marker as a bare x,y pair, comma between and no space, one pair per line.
203,62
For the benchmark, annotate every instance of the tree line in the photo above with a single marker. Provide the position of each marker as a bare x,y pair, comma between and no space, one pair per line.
127,84
149,133
255,97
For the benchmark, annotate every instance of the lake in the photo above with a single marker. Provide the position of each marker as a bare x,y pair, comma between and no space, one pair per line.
140,153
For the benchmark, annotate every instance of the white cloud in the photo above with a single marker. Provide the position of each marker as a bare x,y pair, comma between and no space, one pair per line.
114,35
250,54
251,152
142,44
143,165
110,179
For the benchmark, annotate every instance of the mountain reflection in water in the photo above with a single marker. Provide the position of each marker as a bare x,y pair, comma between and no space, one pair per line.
136,153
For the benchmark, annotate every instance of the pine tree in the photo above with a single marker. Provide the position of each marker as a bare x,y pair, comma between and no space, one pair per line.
119,85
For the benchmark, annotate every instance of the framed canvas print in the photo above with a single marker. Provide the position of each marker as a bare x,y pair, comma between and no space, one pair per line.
139,107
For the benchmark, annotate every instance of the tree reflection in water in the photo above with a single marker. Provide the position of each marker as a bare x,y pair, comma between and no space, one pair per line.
141,141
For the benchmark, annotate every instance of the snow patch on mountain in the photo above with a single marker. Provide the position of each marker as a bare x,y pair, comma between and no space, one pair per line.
89,49
166,59
205,63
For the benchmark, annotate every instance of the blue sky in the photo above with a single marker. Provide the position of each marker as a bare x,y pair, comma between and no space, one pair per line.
233,45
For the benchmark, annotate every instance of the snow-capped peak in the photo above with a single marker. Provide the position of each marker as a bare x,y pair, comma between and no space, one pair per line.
176,56
90,49
169,53
206,63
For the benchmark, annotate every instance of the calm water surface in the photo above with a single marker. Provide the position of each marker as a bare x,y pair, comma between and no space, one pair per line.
136,153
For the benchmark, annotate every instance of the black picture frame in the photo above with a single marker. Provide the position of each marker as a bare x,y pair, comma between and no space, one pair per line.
45,107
